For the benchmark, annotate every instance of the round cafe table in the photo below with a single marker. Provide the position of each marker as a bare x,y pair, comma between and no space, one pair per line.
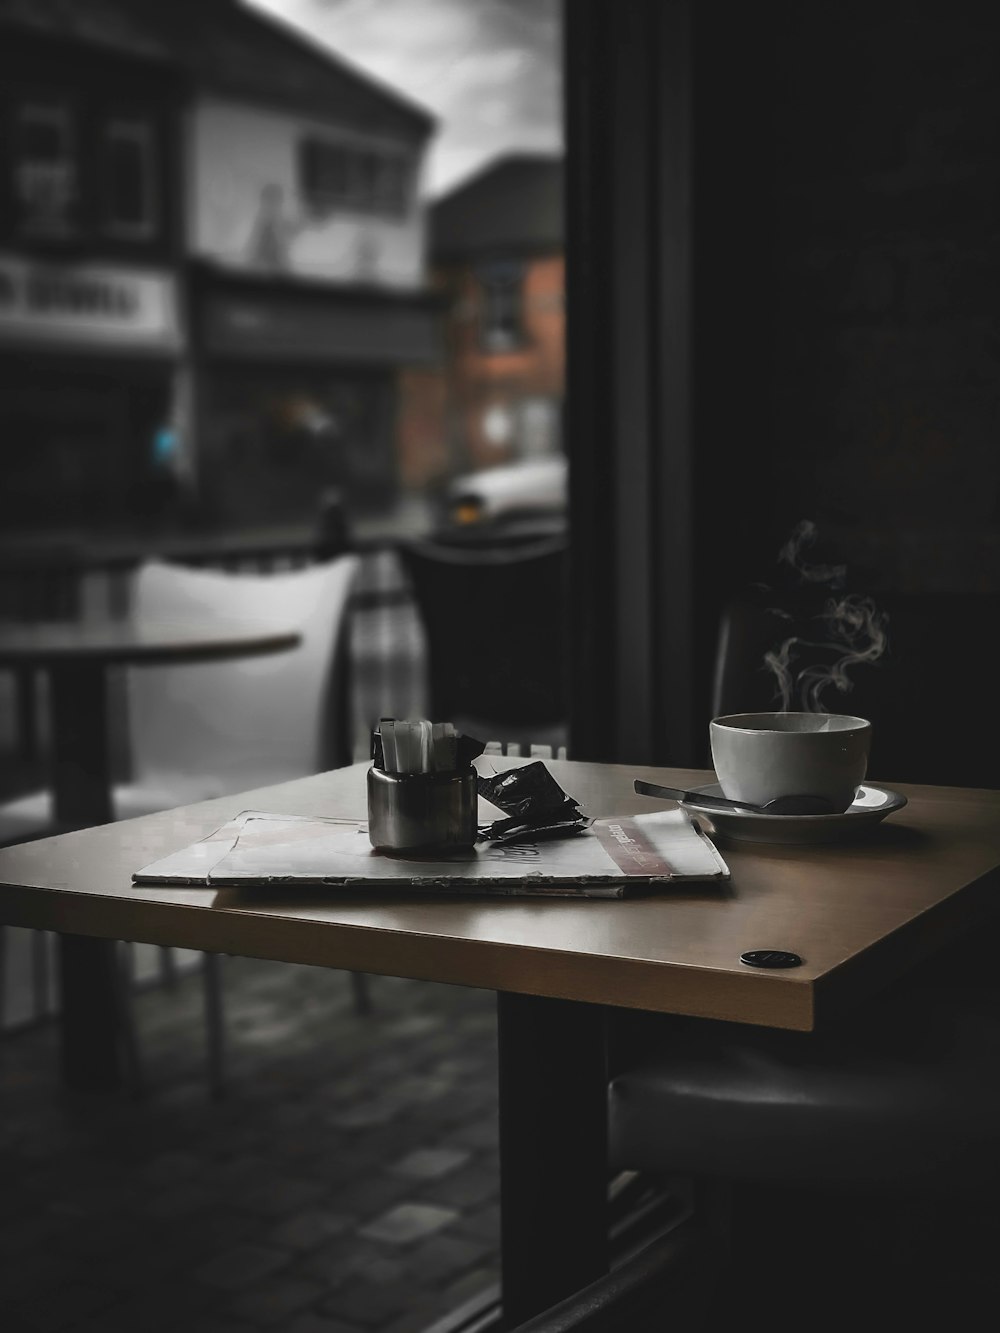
76,658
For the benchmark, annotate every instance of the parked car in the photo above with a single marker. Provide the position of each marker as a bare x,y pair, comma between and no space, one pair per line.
527,497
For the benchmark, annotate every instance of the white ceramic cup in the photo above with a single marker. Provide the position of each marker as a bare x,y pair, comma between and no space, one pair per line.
760,757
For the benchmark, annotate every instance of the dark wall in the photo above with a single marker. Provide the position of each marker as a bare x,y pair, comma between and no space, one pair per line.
849,222
782,272
97,86
886,360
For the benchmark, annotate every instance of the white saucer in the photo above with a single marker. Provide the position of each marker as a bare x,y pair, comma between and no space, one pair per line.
870,805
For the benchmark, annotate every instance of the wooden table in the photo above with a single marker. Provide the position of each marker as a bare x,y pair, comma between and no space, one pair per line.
860,914
77,657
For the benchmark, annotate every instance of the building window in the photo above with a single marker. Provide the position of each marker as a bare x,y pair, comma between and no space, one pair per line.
44,159
538,427
129,179
498,425
337,176
502,327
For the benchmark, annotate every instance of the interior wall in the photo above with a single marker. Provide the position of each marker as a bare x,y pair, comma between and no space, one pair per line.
885,364
850,219
849,215
782,263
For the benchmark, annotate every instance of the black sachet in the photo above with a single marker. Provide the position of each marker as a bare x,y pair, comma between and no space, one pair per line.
520,790
534,804
543,826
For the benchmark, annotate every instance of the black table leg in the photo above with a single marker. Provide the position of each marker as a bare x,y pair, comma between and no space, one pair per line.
81,766
90,1013
90,1008
553,1150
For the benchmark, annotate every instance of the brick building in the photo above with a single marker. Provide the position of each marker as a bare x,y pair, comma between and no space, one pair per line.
496,253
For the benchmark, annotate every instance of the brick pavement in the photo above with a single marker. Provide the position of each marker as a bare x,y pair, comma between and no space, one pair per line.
346,1183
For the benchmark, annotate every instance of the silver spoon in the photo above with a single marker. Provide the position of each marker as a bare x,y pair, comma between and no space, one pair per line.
780,805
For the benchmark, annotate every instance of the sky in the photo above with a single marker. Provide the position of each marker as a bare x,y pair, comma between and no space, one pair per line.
490,70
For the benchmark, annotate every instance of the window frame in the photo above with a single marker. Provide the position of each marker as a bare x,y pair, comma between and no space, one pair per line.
143,130
502,311
374,180
22,104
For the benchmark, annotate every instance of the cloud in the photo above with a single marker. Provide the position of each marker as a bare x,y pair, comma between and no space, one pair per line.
488,69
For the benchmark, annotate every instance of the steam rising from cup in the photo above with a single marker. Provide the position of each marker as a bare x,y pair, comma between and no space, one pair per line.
805,668
804,534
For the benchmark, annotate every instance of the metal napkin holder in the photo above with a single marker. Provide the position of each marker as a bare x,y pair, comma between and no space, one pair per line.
423,811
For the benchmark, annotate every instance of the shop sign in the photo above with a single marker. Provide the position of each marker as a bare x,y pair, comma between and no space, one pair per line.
93,304
388,332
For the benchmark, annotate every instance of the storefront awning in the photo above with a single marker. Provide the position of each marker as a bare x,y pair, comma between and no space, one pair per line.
381,329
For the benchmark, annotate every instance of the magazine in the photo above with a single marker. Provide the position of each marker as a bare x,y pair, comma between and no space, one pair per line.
611,858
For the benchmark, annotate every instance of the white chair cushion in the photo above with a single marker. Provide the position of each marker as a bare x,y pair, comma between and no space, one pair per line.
227,725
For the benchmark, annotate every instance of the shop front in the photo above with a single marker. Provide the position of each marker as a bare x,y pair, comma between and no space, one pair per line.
297,388
90,368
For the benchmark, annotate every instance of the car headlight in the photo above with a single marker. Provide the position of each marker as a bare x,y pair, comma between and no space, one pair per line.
467,510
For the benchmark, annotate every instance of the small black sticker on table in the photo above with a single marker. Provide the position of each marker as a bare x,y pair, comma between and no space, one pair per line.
770,958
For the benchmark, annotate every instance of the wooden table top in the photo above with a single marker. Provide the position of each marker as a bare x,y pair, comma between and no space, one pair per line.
859,913
125,640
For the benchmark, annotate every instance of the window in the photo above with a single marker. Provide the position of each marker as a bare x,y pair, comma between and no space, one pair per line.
336,176
538,427
391,179
129,184
44,161
502,308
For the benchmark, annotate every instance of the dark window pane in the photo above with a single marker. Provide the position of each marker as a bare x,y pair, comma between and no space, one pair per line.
309,166
44,169
365,180
127,164
42,140
129,201
336,177
502,315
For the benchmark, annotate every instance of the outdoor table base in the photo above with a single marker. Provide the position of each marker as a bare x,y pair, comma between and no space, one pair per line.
92,1022
94,1028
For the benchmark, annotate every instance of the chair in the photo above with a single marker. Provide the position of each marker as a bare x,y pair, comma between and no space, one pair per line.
495,618
215,728
853,1170
861,1163
211,729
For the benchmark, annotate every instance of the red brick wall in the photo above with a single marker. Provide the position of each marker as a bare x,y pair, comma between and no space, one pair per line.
422,428
440,429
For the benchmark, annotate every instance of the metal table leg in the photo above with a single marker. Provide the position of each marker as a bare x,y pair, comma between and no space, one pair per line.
553,1150
90,1005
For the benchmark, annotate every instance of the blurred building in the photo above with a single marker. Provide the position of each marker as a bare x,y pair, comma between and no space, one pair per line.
91,334
496,251
211,266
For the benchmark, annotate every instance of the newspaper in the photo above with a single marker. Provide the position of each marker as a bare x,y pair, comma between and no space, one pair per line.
612,858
